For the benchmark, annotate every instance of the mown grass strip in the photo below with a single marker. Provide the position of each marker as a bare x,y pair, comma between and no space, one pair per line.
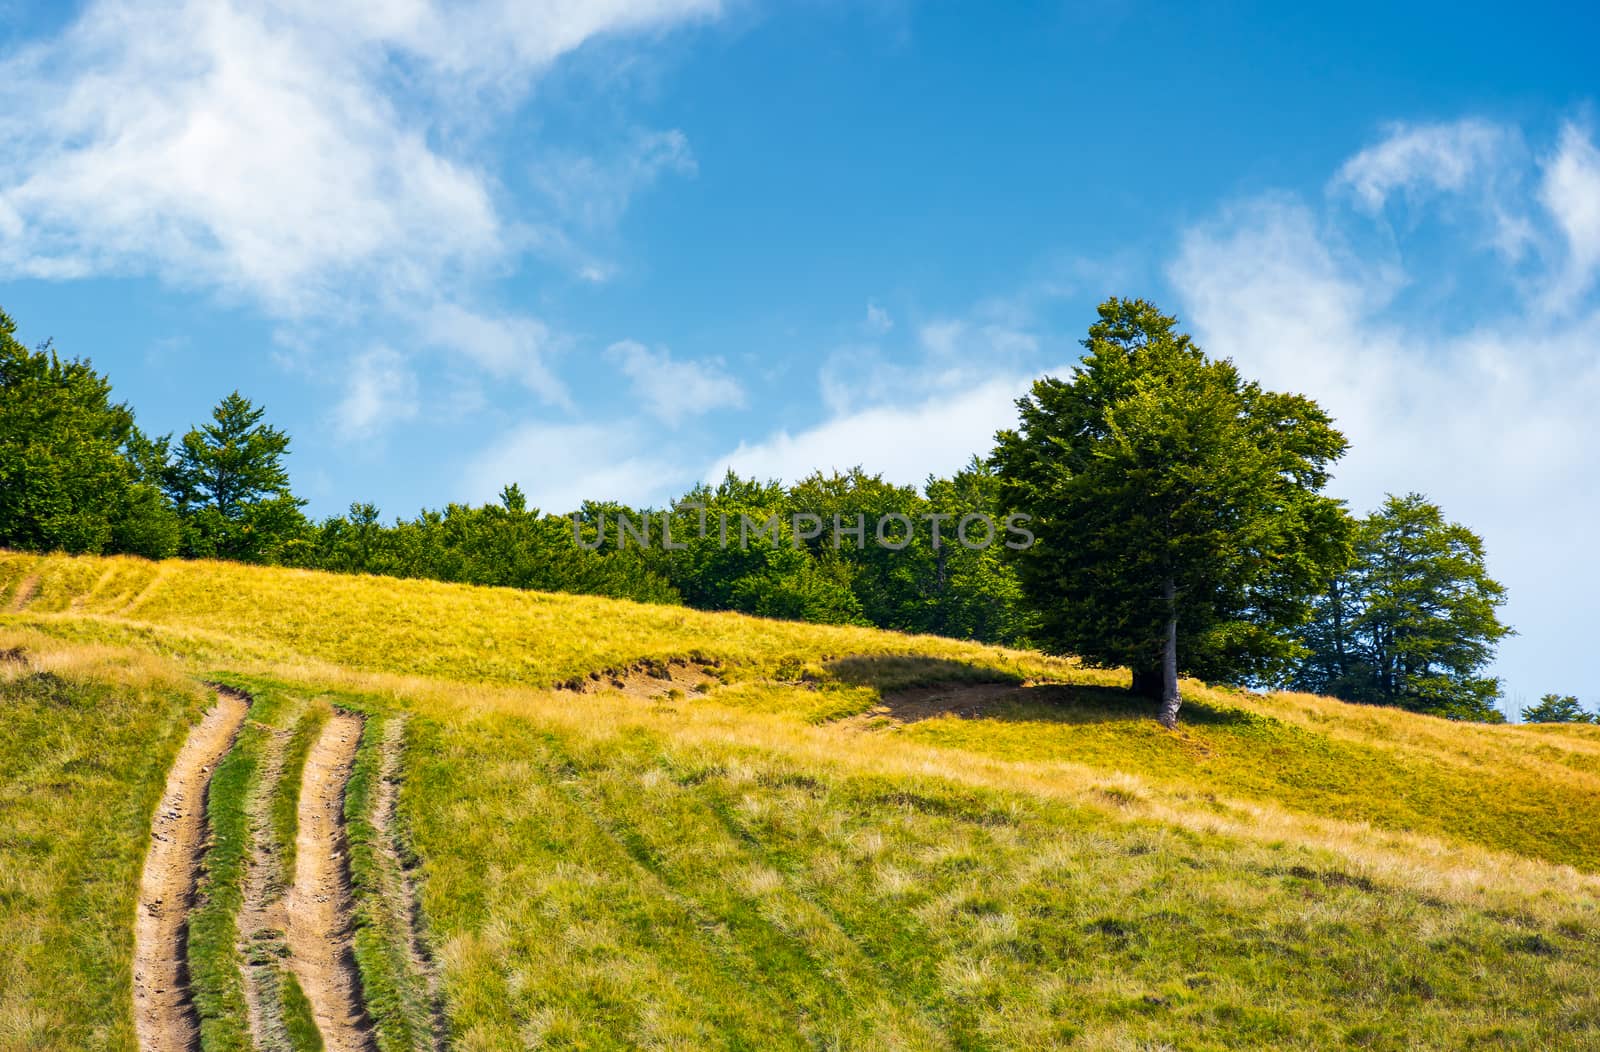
284,814
297,1018
215,962
396,996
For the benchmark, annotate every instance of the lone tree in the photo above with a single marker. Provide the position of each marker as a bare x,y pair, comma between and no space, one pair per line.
1412,621
1558,708
1177,508
230,484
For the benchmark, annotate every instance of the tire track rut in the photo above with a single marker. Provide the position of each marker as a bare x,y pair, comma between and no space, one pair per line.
164,1018
261,917
318,905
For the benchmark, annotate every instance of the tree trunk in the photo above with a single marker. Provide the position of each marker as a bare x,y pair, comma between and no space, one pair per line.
1169,662
1147,682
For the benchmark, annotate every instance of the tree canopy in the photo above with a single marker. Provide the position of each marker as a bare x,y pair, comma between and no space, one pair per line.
1178,508
73,466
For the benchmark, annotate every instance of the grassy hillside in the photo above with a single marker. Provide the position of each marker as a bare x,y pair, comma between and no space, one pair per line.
807,836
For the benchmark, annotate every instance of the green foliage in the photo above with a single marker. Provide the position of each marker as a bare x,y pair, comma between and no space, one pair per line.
731,546
1168,492
508,544
1413,621
1558,708
72,476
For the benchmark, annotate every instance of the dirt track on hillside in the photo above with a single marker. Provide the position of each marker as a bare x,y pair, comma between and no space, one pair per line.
317,906
164,1018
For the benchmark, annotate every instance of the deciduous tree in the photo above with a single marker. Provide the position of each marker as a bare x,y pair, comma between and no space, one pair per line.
73,466
1178,511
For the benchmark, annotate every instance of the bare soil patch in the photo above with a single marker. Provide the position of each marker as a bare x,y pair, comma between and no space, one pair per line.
650,680
318,904
164,1018
25,592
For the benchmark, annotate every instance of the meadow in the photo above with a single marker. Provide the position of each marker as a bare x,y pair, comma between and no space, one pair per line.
628,825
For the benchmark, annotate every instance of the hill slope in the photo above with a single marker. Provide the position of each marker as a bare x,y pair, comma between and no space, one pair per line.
626,825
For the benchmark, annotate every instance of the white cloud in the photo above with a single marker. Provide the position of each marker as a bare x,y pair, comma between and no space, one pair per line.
1491,417
380,391
1469,160
506,346
671,390
948,354
904,443
1428,156
223,144
1571,192
305,156
561,465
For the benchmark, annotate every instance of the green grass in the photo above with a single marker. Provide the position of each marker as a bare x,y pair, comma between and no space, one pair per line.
622,890
83,758
799,857
1229,749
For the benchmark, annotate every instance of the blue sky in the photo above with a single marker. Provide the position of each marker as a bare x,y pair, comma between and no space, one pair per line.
607,249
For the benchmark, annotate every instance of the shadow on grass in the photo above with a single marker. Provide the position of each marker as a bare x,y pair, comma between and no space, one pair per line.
917,688
1043,703
902,671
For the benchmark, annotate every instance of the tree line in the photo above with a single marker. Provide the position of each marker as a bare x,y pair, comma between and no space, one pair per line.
1179,520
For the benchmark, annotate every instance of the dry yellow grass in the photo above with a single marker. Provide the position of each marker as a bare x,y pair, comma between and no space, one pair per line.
599,870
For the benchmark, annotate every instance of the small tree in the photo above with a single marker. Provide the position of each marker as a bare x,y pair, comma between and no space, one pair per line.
230,483
1558,708
1413,621
1177,508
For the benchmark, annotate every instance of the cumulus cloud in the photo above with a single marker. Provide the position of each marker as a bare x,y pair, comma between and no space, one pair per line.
216,144
1490,416
947,354
1473,161
671,389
